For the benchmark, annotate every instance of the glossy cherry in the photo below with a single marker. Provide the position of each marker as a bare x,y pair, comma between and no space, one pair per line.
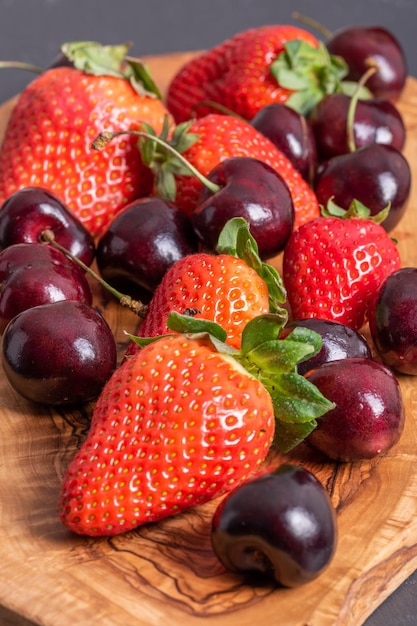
338,342
280,524
375,121
142,242
290,132
250,189
369,415
28,212
35,273
377,175
362,45
393,321
58,354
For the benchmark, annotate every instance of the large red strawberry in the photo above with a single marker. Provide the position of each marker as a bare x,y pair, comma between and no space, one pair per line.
181,423
49,134
207,141
334,266
256,67
229,288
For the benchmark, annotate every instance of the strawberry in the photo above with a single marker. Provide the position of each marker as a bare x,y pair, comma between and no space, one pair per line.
182,422
49,134
207,141
254,68
334,266
229,288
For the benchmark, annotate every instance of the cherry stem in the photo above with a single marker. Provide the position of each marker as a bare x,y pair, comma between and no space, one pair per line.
126,301
21,65
350,118
219,107
309,21
106,136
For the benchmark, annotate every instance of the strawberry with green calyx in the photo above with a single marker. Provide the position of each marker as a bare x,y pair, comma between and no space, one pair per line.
333,266
180,424
181,162
48,138
229,288
255,68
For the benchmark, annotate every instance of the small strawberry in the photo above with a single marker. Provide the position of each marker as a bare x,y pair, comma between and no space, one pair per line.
254,68
207,141
229,288
183,422
48,139
334,265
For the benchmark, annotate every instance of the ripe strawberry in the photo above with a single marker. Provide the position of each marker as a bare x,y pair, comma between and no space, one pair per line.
236,73
333,266
179,424
207,141
49,134
254,68
229,288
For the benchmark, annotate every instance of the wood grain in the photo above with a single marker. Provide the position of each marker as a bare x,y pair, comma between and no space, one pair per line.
166,572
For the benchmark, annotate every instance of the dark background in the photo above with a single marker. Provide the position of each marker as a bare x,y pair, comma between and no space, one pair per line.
33,30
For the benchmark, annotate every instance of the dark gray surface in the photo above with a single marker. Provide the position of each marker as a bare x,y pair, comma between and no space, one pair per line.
33,30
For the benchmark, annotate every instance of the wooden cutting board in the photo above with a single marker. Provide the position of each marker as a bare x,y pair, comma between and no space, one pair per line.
166,573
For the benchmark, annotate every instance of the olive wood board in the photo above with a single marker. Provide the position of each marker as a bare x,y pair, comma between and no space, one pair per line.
166,573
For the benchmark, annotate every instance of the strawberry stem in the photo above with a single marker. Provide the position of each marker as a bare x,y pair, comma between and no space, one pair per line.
126,301
106,136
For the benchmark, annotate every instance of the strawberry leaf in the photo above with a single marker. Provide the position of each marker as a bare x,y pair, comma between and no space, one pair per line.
274,362
140,78
297,401
356,210
288,436
310,73
94,58
188,324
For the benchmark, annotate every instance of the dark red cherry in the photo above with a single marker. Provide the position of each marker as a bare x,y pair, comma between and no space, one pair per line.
338,342
58,354
254,191
291,134
28,212
35,273
142,242
393,321
280,525
377,175
375,121
361,45
368,418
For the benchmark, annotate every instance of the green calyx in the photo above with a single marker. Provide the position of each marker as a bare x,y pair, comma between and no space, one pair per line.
273,361
94,58
311,73
163,154
356,210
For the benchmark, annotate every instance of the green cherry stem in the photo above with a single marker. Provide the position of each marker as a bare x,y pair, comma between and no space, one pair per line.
312,23
21,65
350,118
126,301
106,136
